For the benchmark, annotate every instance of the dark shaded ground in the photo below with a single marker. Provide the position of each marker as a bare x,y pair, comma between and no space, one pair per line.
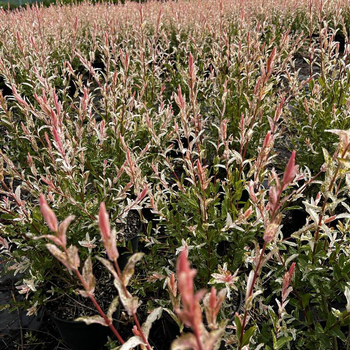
18,331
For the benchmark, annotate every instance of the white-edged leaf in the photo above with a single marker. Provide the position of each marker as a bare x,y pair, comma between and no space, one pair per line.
108,266
130,267
59,255
18,194
63,226
92,319
292,257
130,303
229,221
175,318
112,308
235,157
214,337
153,316
88,275
347,296
73,257
185,342
343,216
310,209
132,343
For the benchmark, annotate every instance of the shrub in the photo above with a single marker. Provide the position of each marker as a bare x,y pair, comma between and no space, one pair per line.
190,116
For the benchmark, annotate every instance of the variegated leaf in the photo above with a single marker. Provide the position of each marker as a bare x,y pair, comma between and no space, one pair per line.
130,267
112,308
59,255
213,341
130,303
62,228
175,318
185,342
89,276
132,343
153,316
92,319
73,257
108,266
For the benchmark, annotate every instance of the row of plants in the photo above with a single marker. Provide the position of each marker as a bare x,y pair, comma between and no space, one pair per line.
16,4
138,140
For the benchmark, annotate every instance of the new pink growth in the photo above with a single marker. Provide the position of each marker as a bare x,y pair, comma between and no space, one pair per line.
286,282
212,300
108,237
18,97
185,279
180,99
60,238
48,214
191,68
212,306
103,222
290,171
58,141
251,192
267,140
270,232
191,314
172,285
270,63
142,195
273,199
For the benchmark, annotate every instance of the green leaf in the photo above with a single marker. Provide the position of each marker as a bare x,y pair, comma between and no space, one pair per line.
330,320
305,300
318,329
336,272
238,325
247,335
274,318
336,332
283,341
130,267
4,307
7,216
346,269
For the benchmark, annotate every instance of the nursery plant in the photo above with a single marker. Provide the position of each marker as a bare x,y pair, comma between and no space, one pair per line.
184,161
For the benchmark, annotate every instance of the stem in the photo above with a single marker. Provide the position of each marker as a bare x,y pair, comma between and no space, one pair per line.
198,339
330,188
304,311
336,323
139,328
141,332
100,311
250,292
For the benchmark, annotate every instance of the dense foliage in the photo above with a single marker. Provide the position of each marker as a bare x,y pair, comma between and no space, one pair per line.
187,114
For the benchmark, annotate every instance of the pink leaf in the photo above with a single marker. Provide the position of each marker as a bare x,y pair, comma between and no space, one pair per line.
48,214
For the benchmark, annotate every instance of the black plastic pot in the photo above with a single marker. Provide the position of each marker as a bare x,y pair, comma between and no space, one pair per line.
163,332
34,322
19,319
125,253
80,336
131,230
